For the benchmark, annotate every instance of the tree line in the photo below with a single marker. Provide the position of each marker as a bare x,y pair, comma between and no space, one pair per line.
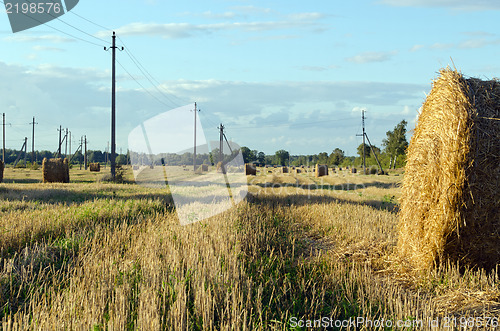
391,155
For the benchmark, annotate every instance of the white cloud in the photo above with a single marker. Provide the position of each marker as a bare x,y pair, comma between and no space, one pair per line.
368,57
185,30
452,4
36,38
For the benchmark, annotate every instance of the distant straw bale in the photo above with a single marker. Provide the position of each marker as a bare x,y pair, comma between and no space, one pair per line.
354,170
321,170
450,203
250,169
55,170
204,167
95,167
284,170
1,170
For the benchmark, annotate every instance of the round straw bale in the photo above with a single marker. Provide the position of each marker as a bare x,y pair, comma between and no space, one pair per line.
55,170
321,170
250,169
96,167
450,203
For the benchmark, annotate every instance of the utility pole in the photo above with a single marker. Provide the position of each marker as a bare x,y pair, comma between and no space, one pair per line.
3,150
85,155
221,142
59,148
194,154
33,143
113,104
25,149
66,142
364,156
81,149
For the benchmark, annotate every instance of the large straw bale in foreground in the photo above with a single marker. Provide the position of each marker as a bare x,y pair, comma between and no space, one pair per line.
1,170
55,170
450,203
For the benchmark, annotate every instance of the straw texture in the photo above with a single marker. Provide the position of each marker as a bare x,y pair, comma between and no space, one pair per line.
55,170
95,167
450,203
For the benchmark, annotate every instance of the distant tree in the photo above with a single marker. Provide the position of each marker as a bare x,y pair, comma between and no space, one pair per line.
336,157
396,143
367,150
323,158
281,157
261,157
248,155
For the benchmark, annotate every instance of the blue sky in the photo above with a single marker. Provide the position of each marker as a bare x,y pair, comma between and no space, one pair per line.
288,75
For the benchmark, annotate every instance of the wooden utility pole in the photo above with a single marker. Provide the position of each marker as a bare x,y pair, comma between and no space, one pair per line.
33,142
194,154
113,105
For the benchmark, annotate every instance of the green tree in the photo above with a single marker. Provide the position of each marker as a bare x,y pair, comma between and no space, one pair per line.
367,150
396,143
336,157
248,155
281,157
323,158
261,157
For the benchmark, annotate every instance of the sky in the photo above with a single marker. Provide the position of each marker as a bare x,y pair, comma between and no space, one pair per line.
291,75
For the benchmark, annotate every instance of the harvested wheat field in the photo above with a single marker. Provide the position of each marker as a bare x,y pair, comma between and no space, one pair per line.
298,249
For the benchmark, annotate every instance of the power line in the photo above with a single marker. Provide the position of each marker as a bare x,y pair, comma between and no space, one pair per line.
142,86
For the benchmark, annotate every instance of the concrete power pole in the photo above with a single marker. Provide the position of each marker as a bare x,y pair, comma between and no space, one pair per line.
113,105
85,155
66,142
364,156
59,148
33,143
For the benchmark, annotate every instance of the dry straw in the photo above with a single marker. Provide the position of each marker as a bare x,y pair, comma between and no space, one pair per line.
96,167
1,170
450,203
321,170
55,170
250,169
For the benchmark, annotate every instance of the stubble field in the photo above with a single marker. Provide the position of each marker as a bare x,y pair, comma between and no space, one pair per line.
298,250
